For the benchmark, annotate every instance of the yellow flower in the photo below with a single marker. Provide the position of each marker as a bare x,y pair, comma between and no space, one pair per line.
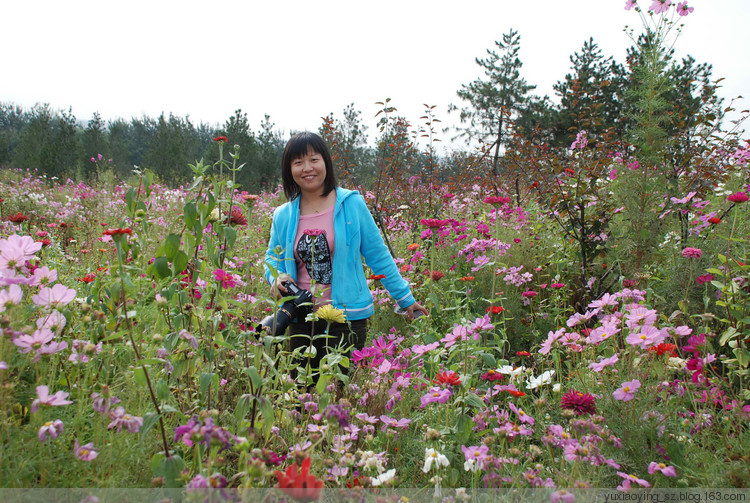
331,314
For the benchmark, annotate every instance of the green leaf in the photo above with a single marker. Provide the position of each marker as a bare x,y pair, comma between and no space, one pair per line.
713,270
162,390
322,383
171,469
729,333
473,401
489,360
464,425
743,357
149,420
243,407
180,262
255,377
140,376
160,268
172,246
206,379
190,214
230,235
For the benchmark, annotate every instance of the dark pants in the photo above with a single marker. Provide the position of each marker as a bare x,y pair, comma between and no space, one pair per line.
356,336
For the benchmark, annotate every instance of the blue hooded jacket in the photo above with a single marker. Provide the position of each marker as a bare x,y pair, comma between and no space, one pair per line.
357,236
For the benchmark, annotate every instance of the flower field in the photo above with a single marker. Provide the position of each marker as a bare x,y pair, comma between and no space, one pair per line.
129,317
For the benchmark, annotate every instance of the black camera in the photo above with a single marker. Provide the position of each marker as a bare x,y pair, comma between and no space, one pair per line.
277,323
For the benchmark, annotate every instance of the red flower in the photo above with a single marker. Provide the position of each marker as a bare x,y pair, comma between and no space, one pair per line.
581,403
117,232
88,278
45,242
300,485
449,378
18,218
570,171
715,220
435,275
221,138
523,353
377,276
535,185
664,348
516,393
413,246
529,294
466,278
495,309
236,217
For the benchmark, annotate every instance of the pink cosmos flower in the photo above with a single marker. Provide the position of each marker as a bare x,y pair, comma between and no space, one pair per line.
395,423
627,391
562,495
683,9
605,362
667,471
40,341
43,276
436,394
51,429
475,457
647,337
16,250
3,366
659,6
10,297
628,480
690,252
522,416
57,296
44,398
85,452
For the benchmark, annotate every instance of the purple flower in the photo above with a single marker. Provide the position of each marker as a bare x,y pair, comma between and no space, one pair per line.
704,278
44,398
522,416
102,403
338,413
85,452
120,418
57,296
627,391
605,362
562,494
628,480
475,457
659,6
395,423
51,429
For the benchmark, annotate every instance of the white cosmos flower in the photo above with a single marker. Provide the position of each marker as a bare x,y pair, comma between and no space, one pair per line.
544,378
383,477
511,372
433,456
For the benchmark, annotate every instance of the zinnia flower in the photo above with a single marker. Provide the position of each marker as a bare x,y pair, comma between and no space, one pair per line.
690,252
449,378
580,403
433,223
222,139
738,197
331,314
496,201
495,309
18,218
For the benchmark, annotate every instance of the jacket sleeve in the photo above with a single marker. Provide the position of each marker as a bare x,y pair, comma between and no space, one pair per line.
275,251
378,257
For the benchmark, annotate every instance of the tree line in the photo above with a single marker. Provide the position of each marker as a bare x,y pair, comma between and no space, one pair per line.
599,95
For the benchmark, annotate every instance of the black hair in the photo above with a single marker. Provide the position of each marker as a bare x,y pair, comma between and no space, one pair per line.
298,146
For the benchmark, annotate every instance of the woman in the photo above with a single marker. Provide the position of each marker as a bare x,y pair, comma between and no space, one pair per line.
318,239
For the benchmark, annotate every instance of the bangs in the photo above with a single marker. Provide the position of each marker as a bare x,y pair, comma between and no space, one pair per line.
303,144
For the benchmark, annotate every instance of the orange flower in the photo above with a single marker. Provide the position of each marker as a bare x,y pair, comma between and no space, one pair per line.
466,278
516,393
300,485
413,246
377,276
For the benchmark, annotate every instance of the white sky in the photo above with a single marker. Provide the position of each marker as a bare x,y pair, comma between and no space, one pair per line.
301,60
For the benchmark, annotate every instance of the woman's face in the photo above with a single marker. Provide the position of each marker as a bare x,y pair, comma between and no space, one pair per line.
309,172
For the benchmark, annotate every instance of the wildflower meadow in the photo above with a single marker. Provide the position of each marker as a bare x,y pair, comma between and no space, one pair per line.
589,327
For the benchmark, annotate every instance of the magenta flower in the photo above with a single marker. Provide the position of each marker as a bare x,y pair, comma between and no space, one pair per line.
522,416
436,394
690,252
496,201
85,452
120,418
3,366
57,296
434,223
529,294
648,336
667,471
580,403
395,423
44,398
312,232
704,278
626,392
738,197
628,480
227,280
102,403
51,429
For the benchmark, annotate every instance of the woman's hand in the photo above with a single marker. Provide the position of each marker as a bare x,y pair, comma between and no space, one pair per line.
277,289
416,308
